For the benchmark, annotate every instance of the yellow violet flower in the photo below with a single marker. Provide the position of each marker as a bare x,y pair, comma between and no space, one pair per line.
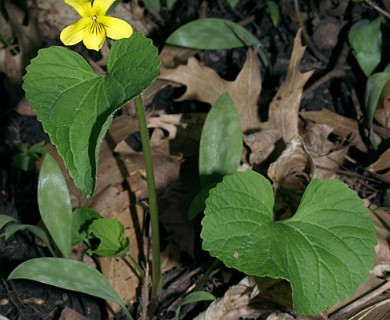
94,26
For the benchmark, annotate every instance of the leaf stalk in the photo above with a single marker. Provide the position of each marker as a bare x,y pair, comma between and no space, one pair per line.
156,264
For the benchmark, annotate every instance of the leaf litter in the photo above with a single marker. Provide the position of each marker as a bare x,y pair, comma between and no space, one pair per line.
295,145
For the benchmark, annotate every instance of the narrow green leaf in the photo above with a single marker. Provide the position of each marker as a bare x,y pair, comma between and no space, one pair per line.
75,104
10,230
68,274
221,142
54,204
110,232
365,38
233,3
373,91
198,202
212,34
171,4
5,219
274,12
193,297
325,250
25,160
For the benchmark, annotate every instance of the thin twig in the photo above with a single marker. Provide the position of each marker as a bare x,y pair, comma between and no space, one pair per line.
337,73
377,8
309,43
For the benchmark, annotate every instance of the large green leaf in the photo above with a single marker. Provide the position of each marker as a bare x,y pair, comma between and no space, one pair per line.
54,204
220,142
68,274
365,38
212,34
75,104
325,250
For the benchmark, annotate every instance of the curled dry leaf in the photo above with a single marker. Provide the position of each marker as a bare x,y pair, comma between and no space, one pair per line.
326,155
346,128
327,165
235,304
262,144
316,139
294,168
381,167
204,84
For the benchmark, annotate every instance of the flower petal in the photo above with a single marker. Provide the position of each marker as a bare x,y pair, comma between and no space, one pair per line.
94,36
75,32
83,7
100,7
116,28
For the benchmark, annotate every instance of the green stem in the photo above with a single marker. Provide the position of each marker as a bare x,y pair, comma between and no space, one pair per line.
156,265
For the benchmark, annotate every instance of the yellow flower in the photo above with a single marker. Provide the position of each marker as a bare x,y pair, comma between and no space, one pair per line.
94,26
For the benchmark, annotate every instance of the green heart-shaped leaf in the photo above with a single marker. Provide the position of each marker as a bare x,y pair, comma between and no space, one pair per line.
325,250
75,104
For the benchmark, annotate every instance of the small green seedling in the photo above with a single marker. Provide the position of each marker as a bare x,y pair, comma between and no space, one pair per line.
325,250
26,159
67,228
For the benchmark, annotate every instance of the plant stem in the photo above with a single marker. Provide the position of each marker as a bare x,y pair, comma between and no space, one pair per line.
156,265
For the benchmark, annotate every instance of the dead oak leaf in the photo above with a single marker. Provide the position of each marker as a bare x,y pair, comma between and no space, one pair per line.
346,128
284,108
204,84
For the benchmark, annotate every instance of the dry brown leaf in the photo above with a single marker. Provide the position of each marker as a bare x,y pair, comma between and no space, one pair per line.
235,304
70,314
284,108
327,165
294,168
316,139
326,155
346,128
28,40
382,114
204,84
172,56
283,114
262,144
381,167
